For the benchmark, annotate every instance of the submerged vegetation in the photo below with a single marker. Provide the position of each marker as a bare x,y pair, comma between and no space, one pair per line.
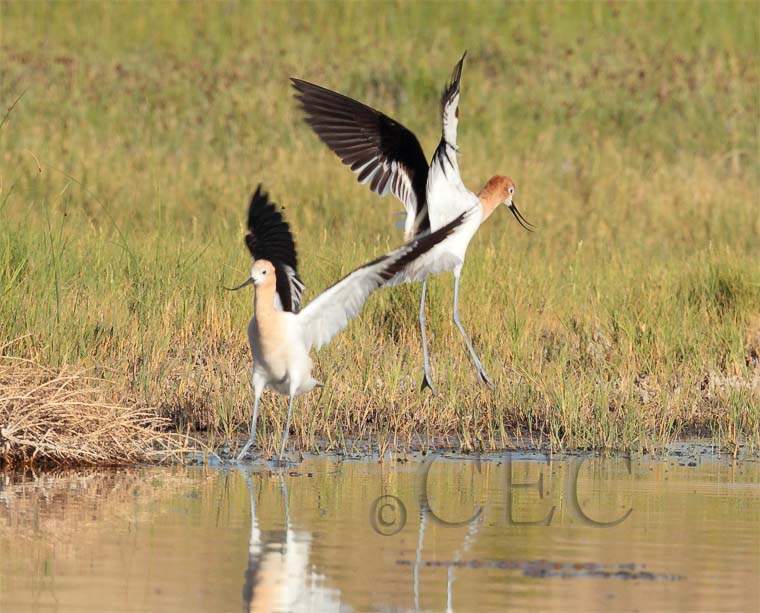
631,317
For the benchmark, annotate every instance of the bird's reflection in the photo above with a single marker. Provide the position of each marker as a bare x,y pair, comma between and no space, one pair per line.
279,576
467,542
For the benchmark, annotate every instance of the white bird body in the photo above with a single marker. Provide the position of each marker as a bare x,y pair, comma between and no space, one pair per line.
389,158
445,187
280,335
449,255
280,357
452,198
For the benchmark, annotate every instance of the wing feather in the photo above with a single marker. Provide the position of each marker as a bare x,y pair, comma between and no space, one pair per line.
331,311
450,105
383,152
445,188
269,238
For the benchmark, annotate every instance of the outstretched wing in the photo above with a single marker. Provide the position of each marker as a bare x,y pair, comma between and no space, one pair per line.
269,238
331,311
445,188
450,105
384,153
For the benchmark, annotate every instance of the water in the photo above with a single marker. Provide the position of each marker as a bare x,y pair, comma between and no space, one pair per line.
331,534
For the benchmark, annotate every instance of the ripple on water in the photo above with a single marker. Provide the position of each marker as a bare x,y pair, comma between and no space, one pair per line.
209,539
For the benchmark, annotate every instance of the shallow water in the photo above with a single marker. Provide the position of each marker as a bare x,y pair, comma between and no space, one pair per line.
331,534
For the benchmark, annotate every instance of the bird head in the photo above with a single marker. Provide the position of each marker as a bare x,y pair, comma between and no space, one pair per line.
502,190
262,274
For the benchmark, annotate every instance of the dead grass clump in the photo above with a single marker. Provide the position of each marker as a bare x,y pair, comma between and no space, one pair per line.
62,418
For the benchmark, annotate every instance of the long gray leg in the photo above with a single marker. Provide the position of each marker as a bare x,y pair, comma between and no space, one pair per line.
478,364
291,398
257,389
427,378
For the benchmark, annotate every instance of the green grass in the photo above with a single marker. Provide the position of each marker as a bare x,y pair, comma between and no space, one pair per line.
632,316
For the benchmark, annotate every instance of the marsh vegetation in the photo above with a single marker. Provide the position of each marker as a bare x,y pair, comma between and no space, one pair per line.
630,318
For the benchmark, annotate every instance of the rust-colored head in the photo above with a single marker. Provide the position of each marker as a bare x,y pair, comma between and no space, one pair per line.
500,190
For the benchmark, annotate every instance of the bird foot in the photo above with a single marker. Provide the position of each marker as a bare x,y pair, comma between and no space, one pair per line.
484,379
241,455
426,382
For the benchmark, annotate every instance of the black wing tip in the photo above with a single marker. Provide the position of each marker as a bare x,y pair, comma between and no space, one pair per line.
305,93
428,241
296,82
259,198
457,72
452,87
299,85
451,226
415,248
443,232
419,247
304,89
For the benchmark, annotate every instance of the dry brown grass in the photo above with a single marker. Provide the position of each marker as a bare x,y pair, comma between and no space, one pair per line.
64,417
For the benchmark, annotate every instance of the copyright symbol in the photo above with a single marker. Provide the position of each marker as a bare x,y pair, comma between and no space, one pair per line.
387,515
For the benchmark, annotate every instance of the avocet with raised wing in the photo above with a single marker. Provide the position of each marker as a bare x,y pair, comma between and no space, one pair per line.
388,157
280,334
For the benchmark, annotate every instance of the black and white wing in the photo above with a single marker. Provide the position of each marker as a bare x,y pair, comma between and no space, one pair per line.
445,188
269,238
450,105
384,153
331,311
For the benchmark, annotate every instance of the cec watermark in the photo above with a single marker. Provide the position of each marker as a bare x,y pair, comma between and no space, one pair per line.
388,513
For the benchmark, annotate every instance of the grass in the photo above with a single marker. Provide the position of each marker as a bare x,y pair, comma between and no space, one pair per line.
62,418
631,130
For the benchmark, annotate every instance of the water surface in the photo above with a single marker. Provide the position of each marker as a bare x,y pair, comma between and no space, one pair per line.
496,533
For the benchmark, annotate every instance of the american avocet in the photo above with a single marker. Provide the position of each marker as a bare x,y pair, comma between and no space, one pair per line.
281,575
389,157
279,333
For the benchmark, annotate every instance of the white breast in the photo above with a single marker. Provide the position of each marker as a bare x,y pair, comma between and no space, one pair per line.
279,353
456,244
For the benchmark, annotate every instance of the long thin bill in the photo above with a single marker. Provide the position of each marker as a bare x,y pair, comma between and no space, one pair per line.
520,219
248,281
